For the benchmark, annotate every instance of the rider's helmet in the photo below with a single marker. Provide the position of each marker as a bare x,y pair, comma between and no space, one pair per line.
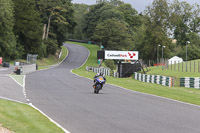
101,74
97,74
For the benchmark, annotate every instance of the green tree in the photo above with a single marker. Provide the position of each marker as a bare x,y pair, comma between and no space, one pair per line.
153,31
181,13
195,19
58,16
100,13
116,2
130,15
80,11
28,28
113,35
91,19
7,37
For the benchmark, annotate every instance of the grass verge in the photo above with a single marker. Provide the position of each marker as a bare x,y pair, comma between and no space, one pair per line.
18,78
45,63
22,118
177,71
188,95
174,71
51,60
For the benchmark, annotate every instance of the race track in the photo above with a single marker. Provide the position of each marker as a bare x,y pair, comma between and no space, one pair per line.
69,100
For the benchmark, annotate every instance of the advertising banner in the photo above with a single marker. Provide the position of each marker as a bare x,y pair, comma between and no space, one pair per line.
0,60
122,55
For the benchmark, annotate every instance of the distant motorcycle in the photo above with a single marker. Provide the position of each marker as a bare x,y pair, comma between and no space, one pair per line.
99,81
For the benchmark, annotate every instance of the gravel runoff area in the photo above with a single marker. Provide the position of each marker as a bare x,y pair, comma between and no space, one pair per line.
4,130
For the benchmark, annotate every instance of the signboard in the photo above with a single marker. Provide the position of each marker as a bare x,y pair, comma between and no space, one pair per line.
122,55
0,60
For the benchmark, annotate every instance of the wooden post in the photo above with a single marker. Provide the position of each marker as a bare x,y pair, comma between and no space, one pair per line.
149,63
190,66
186,66
167,64
178,65
182,66
194,66
175,66
171,65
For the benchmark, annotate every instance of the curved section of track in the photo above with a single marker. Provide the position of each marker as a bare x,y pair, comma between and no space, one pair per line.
69,100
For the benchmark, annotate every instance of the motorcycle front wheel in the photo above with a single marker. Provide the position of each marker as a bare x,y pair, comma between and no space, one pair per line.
97,88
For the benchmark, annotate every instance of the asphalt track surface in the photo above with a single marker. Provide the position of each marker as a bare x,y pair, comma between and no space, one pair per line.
69,100
9,89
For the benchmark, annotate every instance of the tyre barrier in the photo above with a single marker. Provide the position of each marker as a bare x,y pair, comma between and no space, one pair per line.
162,80
190,82
106,71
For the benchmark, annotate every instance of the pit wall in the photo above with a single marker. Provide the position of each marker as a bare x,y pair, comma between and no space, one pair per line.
28,68
25,69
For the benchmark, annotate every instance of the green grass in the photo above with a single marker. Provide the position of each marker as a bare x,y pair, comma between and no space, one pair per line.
52,59
22,118
18,78
175,72
45,63
188,95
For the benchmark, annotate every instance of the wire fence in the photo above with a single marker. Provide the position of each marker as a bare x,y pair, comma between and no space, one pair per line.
31,59
189,66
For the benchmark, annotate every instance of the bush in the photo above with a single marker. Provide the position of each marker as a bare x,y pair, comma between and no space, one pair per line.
110,64
52,46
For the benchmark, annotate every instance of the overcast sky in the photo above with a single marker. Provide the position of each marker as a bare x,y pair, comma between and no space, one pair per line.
139,5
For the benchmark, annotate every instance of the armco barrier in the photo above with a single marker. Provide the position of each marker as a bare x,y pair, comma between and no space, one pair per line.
162,80
190,82
106,71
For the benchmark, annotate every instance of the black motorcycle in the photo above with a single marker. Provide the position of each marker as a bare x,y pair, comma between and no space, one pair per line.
99,81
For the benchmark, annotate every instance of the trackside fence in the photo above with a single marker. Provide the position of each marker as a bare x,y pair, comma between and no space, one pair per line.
190,82
162,80
106,71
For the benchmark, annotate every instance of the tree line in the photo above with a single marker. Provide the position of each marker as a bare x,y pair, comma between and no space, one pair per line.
34,27
118,26
41,26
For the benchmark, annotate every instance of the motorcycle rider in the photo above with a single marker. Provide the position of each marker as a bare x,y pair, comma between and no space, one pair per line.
99,75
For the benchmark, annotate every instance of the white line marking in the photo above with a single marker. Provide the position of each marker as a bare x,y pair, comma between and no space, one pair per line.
11,100
3,69
28,100
56,64
144,93
86,59
15,80
82,64
49,118
30,104
24,89
156,96
137,91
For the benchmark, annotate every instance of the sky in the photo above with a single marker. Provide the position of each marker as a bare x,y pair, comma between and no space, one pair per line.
139,5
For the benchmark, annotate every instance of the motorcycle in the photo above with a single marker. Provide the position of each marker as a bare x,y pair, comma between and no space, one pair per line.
99,81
